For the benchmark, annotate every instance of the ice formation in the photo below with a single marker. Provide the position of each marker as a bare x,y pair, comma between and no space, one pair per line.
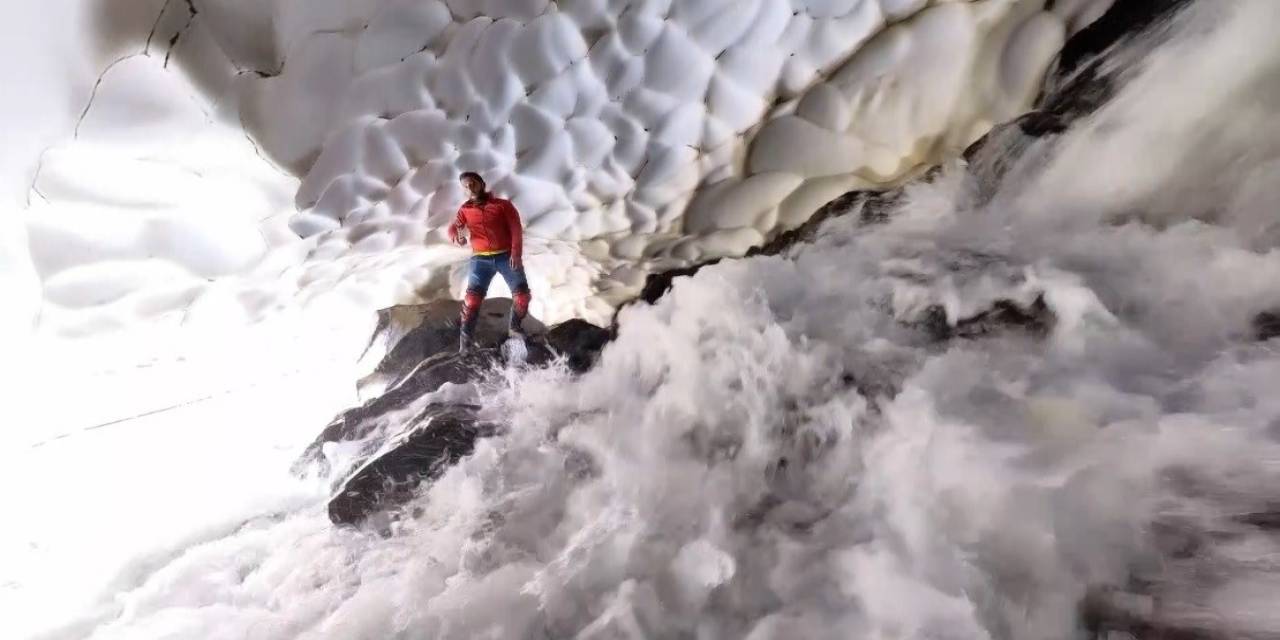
633,135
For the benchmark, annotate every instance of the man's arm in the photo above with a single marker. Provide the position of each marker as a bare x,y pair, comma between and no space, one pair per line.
458,222
517,236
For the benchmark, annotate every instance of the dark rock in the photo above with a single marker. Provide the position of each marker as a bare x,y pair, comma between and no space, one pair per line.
658,284
1077,86
406,335
1266,325
580,342
1003,148
1122,20
869,207
873,388
1268,520
437,438
1109,611
1174,589
1079,83
1036,320
1038,124
374,419
395,454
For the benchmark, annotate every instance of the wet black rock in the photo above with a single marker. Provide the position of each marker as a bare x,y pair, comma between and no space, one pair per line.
579,342
1077,86
867,207
1174,589
658,284
397,438
1004,316
380,417
1266,325
864,206
1080,83
1124,19
435,439
406,335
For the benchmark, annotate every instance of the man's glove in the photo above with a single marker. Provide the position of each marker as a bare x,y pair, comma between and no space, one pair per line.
516,263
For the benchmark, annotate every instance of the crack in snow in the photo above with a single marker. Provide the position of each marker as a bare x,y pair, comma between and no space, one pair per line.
35,178
156,25
36,190
257,150
258,72
93,94
192,12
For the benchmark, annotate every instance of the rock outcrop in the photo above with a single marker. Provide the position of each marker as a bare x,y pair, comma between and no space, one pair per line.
865,206
1080,83
1187,548
407,335
400,437
1004,316
434,439
1266,325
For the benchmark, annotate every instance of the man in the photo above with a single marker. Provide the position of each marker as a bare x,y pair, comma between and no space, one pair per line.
497,241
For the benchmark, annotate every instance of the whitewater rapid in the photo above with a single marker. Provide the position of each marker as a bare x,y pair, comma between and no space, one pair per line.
969,489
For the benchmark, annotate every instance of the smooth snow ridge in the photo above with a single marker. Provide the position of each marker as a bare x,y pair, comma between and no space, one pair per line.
633,135
1007,474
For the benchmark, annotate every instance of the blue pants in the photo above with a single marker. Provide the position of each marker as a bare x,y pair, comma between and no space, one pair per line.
483,268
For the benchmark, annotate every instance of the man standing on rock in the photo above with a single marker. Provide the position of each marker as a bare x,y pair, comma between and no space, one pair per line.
497,239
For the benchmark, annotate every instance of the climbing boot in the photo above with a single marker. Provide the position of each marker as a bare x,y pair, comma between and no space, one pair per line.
515,324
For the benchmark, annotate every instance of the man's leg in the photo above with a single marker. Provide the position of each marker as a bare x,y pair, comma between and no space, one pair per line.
520,294
482,271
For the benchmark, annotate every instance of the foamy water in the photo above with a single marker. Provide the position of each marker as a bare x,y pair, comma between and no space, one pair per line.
650,497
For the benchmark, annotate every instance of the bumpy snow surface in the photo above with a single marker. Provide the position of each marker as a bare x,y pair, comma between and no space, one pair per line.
645,498
633,135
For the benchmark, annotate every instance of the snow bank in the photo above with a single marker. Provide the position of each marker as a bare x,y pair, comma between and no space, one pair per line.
131,180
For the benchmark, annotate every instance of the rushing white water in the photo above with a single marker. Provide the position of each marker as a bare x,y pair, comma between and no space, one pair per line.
646,498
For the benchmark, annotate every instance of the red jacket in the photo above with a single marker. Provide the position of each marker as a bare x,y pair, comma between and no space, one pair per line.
494,225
